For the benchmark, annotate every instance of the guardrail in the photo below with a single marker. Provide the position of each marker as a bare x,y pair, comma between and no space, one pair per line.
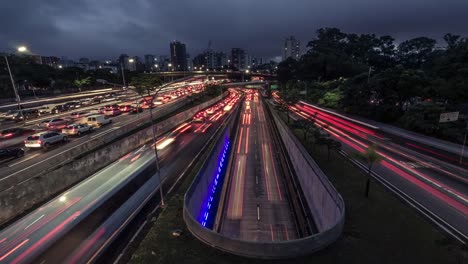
85,161
316,187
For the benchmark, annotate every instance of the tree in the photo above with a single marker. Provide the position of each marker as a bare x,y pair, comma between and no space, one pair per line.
149,86
371,157
80,83
415,53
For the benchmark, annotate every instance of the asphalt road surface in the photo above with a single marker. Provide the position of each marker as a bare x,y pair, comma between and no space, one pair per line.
75,224
436,185
257,206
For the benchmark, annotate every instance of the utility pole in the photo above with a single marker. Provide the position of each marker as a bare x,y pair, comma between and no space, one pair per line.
18,100
463,146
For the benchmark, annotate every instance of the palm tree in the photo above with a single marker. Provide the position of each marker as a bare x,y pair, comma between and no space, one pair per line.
149,86
371,157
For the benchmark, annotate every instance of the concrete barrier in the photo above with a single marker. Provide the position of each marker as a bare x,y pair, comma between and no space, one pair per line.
324,201
37,189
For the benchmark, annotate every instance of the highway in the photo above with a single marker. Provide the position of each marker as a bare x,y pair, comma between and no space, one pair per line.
42,159
257,204
78,225
33,102
436,188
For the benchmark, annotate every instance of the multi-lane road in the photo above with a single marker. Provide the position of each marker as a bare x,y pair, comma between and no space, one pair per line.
257,207
42,159
79,224
435,187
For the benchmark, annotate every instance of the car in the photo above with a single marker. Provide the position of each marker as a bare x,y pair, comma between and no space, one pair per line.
108,99
77,129
23,114
11,153
60,109
15,132
86,101
44,139
210,111
78,114
199,118
112,106
57,123
98,120
135,110
73,104
112,111
125,108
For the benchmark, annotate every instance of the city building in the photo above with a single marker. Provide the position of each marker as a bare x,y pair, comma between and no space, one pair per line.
50,60
84,60
239,58
150,61
210,60
291,48
178,56
123,61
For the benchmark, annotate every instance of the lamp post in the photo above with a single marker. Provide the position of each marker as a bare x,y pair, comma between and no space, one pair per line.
123,72
463,146
18,99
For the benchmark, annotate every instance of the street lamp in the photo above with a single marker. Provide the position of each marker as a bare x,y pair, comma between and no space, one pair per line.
18,99
123,72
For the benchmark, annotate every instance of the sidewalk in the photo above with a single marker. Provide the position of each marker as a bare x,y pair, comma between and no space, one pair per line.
423,139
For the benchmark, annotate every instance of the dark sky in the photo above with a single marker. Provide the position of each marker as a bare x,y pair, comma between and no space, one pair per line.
106,28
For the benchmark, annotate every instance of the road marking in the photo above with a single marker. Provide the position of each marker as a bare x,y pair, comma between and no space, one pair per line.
271,231
44,160
104,132
35,221
28,158
258,212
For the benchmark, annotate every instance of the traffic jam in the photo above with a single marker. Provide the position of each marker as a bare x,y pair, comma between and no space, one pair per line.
53,124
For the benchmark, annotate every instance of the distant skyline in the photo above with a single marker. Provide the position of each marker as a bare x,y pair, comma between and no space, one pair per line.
106,28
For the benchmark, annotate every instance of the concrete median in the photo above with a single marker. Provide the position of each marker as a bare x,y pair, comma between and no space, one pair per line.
84,160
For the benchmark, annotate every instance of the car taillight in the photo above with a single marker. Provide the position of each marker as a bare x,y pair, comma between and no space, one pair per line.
39,141
8,135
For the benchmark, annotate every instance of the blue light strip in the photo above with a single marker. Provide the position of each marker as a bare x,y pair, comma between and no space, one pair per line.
210,206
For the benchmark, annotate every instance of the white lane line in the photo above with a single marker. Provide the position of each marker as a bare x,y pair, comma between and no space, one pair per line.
26,159
34,222
104,132
44,160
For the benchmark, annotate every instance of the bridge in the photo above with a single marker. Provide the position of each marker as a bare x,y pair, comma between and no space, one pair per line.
226,74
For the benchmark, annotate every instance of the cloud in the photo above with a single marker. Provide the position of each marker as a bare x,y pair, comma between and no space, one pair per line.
106,28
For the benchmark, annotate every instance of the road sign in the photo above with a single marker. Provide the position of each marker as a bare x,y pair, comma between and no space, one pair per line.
448,117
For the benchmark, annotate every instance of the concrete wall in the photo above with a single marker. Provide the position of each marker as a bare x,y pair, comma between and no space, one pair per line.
24,195
324,201
91,144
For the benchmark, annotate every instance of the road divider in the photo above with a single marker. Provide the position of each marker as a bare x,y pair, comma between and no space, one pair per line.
31,187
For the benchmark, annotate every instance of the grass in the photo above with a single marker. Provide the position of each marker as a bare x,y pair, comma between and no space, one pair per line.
379,229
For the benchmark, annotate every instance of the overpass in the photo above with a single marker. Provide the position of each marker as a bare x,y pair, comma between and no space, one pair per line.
227,74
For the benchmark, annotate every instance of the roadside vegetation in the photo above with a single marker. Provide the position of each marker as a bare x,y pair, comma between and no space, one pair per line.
378,229
408,84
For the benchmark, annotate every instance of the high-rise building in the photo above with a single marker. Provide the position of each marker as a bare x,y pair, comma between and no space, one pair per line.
239,58
123,61
291,48
178,56
210,60
84,60
150,61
